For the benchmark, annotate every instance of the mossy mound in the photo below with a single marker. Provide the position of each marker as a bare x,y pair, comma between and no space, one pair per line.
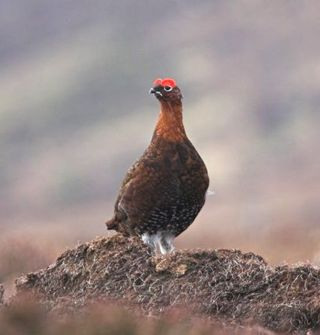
216,284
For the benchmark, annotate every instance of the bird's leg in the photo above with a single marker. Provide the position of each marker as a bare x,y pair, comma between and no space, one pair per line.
150,240
165,243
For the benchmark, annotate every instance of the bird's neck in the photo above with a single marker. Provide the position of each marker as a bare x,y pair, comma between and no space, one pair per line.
170,125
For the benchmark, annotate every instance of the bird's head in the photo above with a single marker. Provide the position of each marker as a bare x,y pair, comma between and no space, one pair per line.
166,90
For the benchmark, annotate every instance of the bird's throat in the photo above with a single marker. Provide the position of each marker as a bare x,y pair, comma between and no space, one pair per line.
170,125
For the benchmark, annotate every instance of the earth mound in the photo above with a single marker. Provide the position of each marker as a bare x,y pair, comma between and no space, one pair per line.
225,285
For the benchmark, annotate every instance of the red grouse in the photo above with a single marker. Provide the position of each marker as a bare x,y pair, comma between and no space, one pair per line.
165,189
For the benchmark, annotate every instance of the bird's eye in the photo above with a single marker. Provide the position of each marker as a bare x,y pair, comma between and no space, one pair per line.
168,88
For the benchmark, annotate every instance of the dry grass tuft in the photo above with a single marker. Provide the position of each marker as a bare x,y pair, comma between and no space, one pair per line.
224,285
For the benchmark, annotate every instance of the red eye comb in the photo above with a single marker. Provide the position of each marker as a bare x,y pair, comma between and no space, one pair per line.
165,82
169,82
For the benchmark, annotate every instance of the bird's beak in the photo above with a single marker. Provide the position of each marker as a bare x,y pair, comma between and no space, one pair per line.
153,91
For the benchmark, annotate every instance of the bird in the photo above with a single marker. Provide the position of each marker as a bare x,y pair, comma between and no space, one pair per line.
164,190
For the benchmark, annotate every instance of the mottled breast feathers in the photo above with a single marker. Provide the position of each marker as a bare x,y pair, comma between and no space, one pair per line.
163,191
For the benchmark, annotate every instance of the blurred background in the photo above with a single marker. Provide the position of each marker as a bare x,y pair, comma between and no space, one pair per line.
75,113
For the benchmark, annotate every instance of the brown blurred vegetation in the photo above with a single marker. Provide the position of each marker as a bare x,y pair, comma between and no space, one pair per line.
26,316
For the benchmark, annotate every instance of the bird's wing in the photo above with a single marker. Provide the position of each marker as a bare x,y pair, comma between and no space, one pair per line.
132,172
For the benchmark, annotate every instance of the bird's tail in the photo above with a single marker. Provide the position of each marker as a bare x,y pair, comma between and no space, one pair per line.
112,224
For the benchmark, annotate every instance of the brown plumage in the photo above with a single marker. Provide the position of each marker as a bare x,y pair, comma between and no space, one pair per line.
165,189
